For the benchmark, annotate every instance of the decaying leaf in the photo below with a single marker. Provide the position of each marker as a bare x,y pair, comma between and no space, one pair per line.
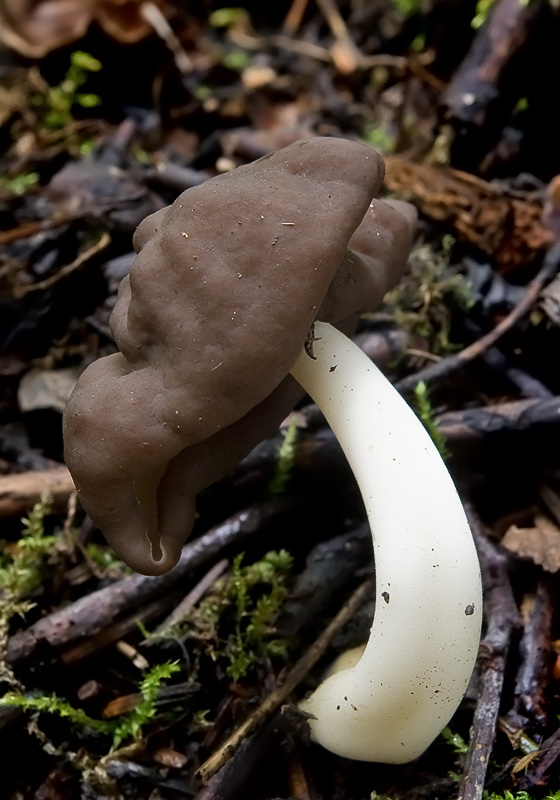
36,27
540,543
502,223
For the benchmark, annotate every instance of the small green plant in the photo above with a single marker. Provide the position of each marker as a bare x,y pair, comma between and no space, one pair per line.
455,740
132,724
104,559
22,568
285,460
507,795
51,704
250,642
426,415
408,7
19,184
379,138
22,563
237,60
60,99
418,44
228,18
234,623
129,727
424,301
521,105
202,92
483,9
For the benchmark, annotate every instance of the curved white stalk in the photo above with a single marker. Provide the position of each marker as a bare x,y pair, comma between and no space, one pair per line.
389,703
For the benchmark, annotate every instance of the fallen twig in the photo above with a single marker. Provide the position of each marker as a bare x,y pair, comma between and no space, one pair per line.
235,777
20,492
103,242
345,54
519,416
502,619
534,672
526,384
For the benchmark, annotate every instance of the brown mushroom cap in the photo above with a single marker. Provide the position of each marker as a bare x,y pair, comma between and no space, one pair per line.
218,304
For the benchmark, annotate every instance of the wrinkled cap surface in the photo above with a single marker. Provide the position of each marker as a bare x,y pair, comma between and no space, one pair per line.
222,294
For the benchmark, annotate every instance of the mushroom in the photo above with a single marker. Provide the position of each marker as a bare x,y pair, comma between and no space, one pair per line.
389,700
220,298
228,311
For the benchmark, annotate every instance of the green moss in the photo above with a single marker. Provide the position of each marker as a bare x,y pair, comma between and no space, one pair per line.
377,137
59,99
426,416
424,301
251,642
507,795
460,747
19,184
234,623
408,7
285,460
482,10
22,564
129,727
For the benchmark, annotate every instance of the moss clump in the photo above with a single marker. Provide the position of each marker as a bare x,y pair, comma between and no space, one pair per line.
234,623
424,301
129,727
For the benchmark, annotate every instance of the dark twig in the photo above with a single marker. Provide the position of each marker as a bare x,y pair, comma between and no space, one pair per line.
435,373
20,492
519,416
526,384
177,177
534,672
502,619
235,777
329,567
478,81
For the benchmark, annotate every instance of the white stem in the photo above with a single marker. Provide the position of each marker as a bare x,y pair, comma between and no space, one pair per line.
389,704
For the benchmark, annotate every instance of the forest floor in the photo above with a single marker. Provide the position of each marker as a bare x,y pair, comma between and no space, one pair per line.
120,685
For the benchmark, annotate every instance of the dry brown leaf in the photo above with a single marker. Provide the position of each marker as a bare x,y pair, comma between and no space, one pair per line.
540,543
36,27
504,224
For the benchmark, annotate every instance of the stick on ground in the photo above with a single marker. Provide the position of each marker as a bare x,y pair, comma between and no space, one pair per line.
502,619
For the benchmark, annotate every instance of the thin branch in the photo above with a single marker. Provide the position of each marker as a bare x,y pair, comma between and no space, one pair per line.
502,618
